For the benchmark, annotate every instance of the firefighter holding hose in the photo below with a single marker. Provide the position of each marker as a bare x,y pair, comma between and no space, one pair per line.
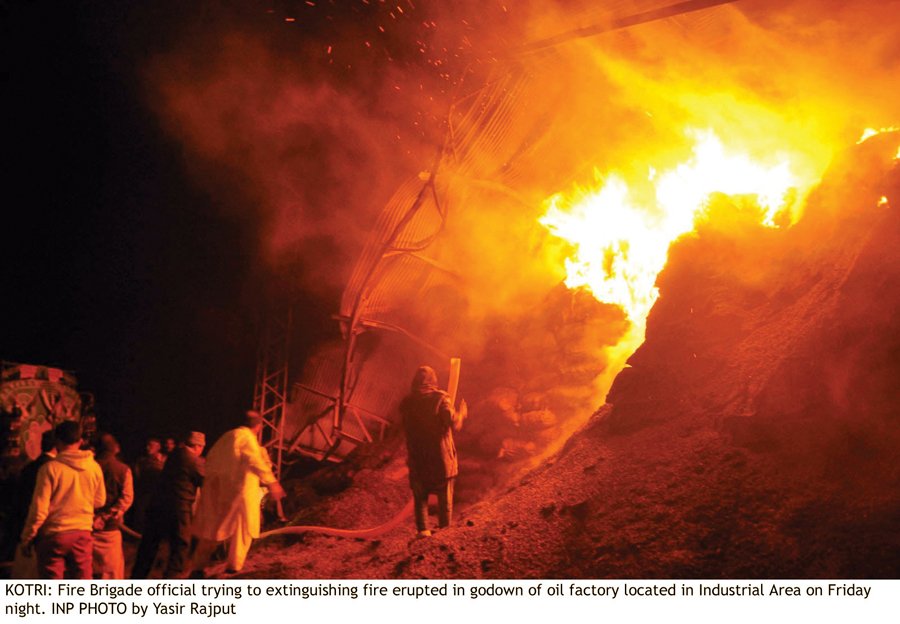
429,420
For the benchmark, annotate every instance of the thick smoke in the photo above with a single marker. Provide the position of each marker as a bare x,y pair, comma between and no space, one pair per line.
309,115
314,129
276,132
280,121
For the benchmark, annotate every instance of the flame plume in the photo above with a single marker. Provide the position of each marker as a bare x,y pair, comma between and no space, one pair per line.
620,233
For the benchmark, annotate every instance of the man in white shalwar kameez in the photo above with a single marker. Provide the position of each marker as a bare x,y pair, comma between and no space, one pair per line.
237,468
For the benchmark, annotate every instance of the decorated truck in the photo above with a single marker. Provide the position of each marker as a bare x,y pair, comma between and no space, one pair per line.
33,399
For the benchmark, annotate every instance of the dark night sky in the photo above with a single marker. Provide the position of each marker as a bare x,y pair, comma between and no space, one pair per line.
115,265
126,266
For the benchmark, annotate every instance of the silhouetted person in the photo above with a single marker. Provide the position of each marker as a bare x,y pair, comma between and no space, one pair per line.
171,511
147,470
429,420
69,488
11,419
25,567
237,468
109,559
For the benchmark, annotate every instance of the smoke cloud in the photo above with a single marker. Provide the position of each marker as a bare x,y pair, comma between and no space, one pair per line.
314,128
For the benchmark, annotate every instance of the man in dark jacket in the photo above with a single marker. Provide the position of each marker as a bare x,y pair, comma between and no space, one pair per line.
146,478
171,510
429,420
26,482
109,559
26,567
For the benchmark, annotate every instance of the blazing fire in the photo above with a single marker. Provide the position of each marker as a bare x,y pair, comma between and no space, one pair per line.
868,133
620,233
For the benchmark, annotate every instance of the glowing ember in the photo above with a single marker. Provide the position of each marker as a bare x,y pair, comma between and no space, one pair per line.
620,235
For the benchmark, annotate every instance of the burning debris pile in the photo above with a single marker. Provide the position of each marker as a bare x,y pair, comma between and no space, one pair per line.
754,435
534,384
531,187
539,144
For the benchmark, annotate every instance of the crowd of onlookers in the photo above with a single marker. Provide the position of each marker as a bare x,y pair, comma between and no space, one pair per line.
73,502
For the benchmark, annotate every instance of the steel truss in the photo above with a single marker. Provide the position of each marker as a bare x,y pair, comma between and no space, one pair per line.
270,395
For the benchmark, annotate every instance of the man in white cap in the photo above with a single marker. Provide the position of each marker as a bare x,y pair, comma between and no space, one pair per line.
237,468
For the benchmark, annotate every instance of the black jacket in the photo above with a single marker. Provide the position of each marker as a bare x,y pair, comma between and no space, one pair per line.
429,420
115,473
178,483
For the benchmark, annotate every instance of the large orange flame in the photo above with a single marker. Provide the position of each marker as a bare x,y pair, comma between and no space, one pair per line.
620,233
620,236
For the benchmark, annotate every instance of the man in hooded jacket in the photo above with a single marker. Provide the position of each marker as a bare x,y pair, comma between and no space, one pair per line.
429,420
68,490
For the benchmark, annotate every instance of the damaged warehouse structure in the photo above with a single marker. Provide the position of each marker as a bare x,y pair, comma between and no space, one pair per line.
535,353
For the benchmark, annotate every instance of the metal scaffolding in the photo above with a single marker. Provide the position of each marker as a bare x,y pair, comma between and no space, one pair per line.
270,395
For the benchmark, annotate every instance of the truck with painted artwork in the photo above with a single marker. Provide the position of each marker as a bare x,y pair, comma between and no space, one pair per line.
34,399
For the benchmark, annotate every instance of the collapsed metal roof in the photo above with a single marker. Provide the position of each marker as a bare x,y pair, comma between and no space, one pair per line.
500,153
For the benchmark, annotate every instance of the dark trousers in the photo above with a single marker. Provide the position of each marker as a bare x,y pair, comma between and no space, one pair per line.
173,527
445,503
69,554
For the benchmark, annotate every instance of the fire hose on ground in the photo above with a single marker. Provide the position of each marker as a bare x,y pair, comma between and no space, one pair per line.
402,515
372,533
